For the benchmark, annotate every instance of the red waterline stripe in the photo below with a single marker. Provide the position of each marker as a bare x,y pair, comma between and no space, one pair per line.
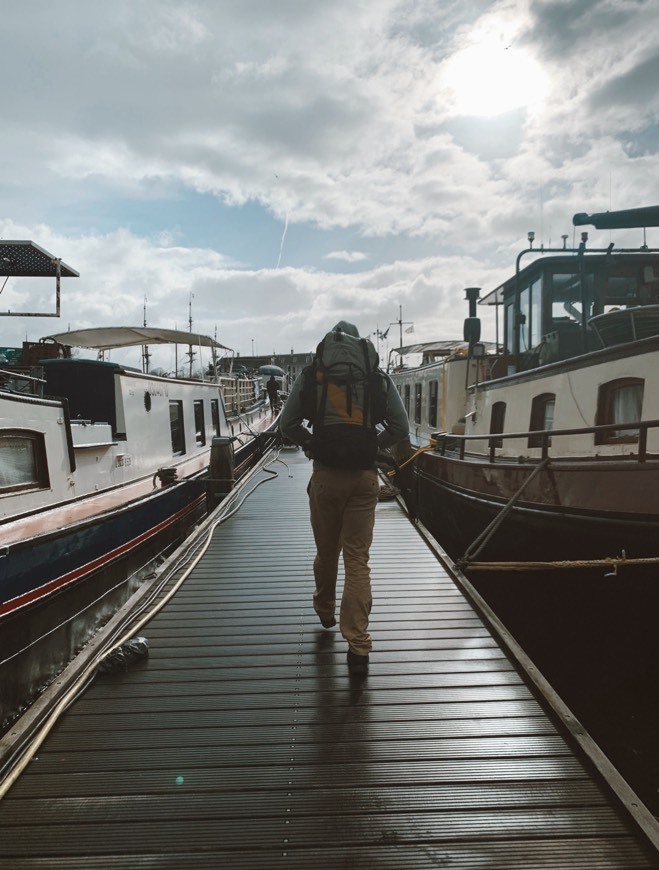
89,567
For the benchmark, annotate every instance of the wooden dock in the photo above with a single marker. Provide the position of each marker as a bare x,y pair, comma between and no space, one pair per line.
242,741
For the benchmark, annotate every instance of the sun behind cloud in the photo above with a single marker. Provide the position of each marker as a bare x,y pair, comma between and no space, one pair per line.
489,78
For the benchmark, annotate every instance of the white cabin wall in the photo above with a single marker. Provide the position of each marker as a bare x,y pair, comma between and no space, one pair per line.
456,398
576,394
452,399
48,419
152,426
144,427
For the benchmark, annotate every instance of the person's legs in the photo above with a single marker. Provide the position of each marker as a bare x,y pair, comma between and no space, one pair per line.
326,502
356,539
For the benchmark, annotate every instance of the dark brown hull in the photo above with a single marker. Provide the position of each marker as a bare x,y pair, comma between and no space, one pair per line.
570,510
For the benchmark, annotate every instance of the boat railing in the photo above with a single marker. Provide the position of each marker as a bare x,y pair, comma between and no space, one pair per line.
239,393
542,438
22,381
626,324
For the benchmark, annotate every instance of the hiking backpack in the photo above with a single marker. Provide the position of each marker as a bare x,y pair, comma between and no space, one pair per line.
344,396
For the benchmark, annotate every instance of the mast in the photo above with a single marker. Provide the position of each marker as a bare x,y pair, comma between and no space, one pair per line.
190,351
146,356
400,322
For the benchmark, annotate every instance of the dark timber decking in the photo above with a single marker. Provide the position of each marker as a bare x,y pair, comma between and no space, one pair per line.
241,742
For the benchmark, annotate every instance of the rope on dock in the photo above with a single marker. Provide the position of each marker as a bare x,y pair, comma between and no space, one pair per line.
610,562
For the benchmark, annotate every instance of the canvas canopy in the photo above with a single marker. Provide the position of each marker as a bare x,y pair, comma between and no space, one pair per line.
110,337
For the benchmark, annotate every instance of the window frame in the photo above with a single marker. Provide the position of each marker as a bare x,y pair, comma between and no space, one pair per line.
199,422
215,416
497,423
36,440
433,403
178,436
418,401
538,421
606,411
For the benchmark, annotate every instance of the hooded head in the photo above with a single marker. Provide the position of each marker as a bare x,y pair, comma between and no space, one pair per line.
348,328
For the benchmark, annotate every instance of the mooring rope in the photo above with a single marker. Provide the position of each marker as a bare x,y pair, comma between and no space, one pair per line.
416,453
476,546
610,562
467,563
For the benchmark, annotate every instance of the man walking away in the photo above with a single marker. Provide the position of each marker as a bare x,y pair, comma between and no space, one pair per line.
273,392
343,395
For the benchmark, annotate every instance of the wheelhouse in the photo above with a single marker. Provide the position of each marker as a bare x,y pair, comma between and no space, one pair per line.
576,302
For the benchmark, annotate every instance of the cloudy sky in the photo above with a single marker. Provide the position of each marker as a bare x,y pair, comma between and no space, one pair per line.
277,165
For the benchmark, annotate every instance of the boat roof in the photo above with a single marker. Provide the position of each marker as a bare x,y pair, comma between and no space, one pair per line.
441,347
559,257
111,337
27,260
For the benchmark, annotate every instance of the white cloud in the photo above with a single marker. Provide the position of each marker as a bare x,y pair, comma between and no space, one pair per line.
333,118
347,256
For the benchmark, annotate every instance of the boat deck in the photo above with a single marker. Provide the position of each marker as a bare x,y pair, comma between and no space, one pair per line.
242,742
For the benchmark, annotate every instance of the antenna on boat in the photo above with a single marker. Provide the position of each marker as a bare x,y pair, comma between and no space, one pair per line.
400,322
146,356
190,351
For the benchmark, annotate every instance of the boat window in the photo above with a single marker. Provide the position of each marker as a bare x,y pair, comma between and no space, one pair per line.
497,420
568,297
22,461
542,417
530,321
433,387
406,399
619,401
418,398
620,290
199,424
176,427
215,415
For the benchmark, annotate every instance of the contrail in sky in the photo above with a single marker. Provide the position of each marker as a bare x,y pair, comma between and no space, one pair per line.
283,236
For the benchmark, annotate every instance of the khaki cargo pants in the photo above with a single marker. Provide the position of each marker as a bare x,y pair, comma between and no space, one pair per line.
342,506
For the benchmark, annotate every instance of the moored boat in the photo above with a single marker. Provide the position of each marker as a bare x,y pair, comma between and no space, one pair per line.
547,448
102,468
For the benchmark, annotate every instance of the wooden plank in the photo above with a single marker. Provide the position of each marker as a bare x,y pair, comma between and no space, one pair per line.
242,741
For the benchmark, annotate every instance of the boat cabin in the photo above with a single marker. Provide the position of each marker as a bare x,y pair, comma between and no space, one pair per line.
572,303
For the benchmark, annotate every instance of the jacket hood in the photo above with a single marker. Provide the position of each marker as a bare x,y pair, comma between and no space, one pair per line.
348,328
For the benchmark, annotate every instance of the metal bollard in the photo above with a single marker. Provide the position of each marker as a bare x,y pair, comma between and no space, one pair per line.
221,479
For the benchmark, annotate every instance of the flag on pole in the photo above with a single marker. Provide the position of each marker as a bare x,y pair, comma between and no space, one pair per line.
410,328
